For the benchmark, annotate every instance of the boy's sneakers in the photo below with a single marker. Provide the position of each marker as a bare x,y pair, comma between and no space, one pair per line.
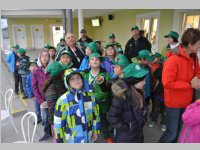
163,128
151,124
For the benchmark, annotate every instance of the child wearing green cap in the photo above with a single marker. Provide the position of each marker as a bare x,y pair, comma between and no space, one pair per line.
91,48
112,40
120,63
12,59
172,43
61,44
65,59
97,78
46,47
157,92
23,64
127,111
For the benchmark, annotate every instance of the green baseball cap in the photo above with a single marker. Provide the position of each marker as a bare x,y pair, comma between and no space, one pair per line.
134,27
108,45
122,61
95,54
55,68
92,46
119,50
16,46
158,55
46,46
111,36
21,51
145,54
66,52
172,34
135,71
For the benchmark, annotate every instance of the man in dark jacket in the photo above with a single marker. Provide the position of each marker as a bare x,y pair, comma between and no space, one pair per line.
84,38
136,43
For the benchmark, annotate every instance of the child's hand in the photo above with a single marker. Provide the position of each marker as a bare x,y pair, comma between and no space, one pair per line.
99,79
17,64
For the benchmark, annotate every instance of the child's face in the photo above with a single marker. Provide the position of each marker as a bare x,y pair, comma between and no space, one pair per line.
31,68
95,62
76,82
118,70
112,40
19,54
170,40
52,52
140,85
65,59
88,51
44,58
110,51
143,61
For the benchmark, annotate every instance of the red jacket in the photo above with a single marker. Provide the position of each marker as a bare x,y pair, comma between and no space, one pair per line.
178,71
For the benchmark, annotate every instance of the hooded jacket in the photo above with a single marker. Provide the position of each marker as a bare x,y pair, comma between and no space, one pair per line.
178,71
124,116
191,130
38,77
76,116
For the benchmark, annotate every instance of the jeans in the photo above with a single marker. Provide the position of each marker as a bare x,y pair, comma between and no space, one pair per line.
37,110
18,81
44,114
24,84
174,124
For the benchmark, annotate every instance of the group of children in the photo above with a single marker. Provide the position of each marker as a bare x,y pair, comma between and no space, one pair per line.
79,94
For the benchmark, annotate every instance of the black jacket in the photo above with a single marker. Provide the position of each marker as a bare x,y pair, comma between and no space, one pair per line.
124,116
132,51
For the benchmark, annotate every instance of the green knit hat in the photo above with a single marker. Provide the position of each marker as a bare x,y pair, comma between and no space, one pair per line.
145,54
111,36
172,34
134,27
95,54
21,51
55,68
135,71
92,46
16,46
122,61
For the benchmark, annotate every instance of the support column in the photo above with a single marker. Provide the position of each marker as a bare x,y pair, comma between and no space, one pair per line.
69,21
80,21
64,22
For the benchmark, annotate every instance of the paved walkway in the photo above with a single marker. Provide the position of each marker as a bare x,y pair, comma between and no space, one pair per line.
8,134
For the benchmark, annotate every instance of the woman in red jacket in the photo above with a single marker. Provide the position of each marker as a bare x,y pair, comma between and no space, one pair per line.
179,79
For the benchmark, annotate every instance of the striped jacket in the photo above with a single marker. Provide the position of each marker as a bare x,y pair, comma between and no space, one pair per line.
76,116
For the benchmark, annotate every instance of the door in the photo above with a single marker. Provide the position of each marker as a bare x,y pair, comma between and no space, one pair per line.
20,35
56,33
37,36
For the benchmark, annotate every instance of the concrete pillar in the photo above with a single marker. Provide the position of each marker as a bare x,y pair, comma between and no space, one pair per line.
64,22
69,21
80,21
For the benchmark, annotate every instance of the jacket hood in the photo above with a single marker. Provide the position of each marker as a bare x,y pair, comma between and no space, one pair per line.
119,88
68,74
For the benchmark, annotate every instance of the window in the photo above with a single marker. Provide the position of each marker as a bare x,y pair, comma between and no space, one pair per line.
191,21
149,23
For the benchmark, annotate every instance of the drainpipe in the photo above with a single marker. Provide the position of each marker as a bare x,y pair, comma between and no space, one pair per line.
69,21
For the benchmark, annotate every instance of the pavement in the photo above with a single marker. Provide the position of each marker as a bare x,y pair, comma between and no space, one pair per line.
20,107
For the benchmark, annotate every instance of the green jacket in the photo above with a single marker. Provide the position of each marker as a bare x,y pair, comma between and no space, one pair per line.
101,93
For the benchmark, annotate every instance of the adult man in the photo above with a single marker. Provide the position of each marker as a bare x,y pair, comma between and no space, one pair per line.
84,38
12,58
136,43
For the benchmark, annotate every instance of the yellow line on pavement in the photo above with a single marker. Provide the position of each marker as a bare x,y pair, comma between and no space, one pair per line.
23,100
